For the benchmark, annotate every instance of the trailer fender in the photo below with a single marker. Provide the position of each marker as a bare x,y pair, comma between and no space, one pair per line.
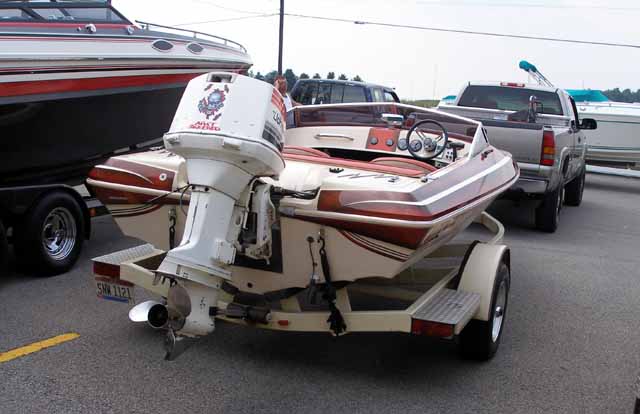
479,273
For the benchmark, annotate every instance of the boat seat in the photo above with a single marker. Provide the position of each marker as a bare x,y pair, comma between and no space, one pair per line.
409,163
293,149
405,170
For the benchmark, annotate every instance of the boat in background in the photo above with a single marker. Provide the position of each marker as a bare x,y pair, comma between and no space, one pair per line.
617,139
79,81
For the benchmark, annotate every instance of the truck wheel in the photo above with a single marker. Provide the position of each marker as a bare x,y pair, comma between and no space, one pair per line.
480,340
548,212
574,190
50,238
4,250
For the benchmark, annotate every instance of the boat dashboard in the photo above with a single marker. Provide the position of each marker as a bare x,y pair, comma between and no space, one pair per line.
367,132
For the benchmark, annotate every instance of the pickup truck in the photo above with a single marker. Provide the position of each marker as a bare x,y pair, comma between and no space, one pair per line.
540,127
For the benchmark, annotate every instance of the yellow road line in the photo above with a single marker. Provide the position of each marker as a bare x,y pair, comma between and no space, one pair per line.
36,346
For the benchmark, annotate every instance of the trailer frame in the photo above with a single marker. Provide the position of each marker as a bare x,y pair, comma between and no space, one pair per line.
465,291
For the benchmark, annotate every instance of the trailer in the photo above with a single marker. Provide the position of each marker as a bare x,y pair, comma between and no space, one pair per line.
46,224
459,292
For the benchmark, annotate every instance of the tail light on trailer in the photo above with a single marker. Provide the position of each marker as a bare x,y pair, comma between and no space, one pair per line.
430,328
548,154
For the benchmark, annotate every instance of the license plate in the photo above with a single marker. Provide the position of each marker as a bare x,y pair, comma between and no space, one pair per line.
501,117
114,289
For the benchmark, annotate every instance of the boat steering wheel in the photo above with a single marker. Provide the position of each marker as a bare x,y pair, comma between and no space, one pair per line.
423,146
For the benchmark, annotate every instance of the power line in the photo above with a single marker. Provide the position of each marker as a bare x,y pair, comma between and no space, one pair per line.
470,32
462,3
226,20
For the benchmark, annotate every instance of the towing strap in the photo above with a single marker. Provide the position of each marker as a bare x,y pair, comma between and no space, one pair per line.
335,320
172,228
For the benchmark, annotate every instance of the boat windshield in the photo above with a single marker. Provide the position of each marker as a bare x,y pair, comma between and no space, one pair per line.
370,114
66,11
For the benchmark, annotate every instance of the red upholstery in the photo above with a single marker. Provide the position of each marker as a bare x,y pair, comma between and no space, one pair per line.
412,171
409,163
292,149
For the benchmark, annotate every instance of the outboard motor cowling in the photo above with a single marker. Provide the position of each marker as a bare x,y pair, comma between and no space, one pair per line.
230,130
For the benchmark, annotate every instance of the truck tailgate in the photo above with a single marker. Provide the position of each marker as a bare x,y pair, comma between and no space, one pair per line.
523,140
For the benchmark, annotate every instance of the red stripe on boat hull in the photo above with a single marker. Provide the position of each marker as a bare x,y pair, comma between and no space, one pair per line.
133,174
75,85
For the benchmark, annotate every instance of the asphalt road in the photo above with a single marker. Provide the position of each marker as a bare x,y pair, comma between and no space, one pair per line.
571,343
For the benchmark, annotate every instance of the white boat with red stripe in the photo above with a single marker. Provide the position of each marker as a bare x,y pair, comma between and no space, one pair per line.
78,80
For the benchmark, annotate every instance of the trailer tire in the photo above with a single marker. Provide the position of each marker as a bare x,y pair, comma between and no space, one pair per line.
574,190
548,212
50,237
4,250
480,340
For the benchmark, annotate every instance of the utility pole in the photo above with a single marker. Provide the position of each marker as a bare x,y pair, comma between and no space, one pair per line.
280,41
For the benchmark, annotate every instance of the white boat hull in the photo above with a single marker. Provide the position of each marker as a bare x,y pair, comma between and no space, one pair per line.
617,138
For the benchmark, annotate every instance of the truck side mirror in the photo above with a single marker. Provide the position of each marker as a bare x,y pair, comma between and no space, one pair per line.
588,123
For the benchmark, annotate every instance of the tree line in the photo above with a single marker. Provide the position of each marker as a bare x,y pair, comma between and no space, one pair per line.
292,78
622,96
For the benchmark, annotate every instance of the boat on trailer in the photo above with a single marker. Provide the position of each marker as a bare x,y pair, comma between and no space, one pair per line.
78,81
278,236
617,139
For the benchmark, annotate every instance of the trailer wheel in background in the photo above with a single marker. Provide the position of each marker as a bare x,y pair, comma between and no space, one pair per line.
574,190
49,239
548,212
4,250
480,340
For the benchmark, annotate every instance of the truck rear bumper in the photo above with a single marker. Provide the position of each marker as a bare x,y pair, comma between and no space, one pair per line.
529,186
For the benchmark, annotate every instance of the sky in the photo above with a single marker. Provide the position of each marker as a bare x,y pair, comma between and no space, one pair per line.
423,64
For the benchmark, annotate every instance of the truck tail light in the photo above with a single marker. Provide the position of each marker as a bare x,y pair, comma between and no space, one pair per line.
548,154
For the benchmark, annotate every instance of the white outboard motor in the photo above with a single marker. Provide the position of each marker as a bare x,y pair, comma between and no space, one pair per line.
230,130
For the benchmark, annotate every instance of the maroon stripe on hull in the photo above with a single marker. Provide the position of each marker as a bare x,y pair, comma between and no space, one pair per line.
44,87
380,250
410,238
109,196
134,174
374,203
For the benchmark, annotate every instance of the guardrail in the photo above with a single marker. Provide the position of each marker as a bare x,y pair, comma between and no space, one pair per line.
193,33
621,172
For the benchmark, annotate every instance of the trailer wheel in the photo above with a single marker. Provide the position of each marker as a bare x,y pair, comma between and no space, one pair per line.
50,238
4,249
479,340
548,213
574,190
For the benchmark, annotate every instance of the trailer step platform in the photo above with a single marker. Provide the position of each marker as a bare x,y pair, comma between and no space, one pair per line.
119,257
447,311
106,270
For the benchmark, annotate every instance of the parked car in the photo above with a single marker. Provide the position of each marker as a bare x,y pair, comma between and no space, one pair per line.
540,127
330,91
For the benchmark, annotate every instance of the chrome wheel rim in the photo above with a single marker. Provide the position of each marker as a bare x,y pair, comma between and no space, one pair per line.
59,233
498,311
